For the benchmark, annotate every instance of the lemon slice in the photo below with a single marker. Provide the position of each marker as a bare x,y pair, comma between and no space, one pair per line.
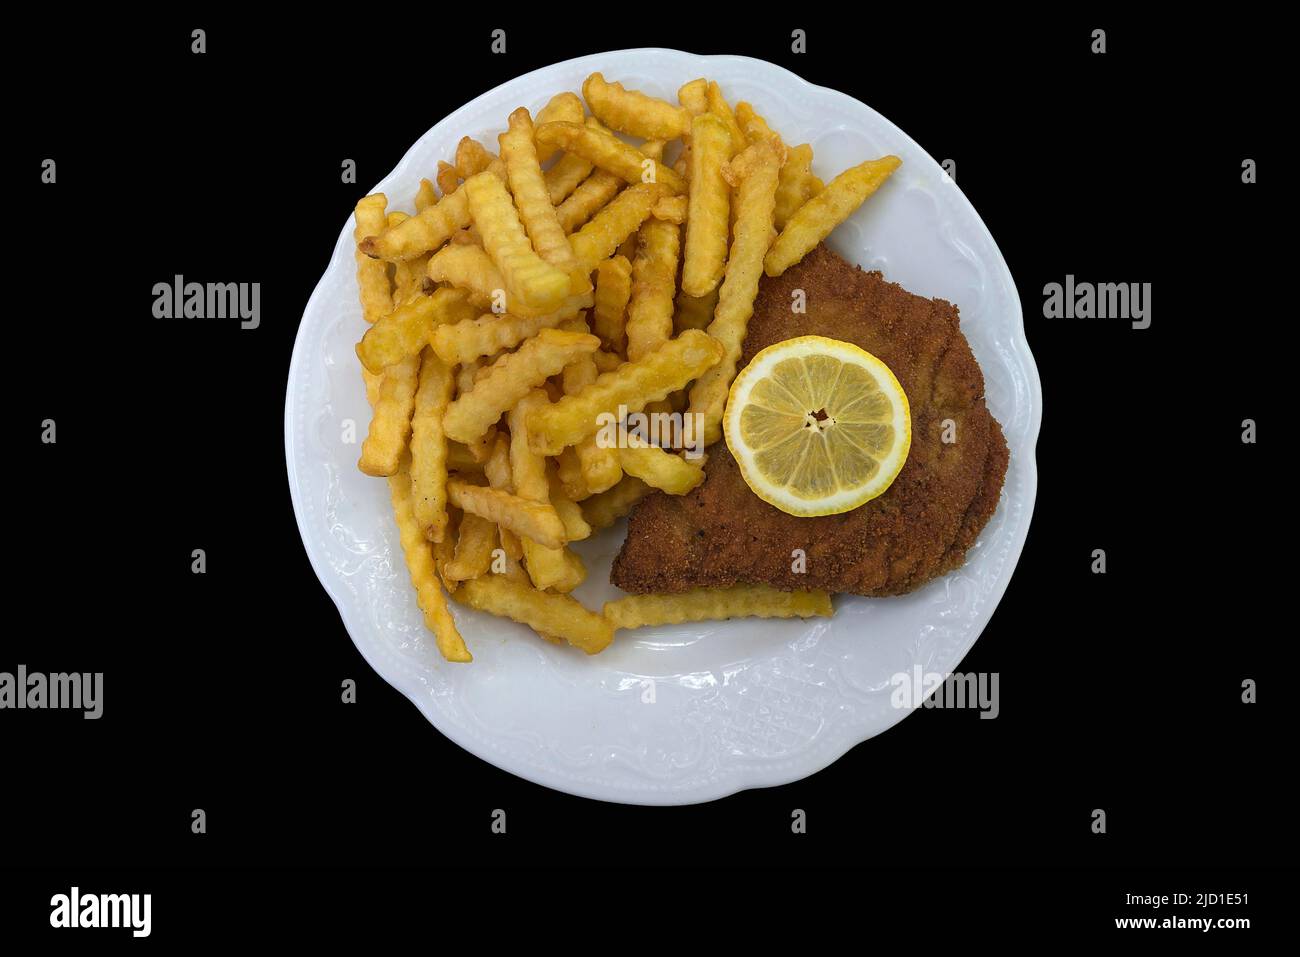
818,426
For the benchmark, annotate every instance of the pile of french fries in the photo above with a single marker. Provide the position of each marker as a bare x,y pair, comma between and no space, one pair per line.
574,276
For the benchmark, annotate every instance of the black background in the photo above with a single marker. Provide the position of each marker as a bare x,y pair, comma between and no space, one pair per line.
222,691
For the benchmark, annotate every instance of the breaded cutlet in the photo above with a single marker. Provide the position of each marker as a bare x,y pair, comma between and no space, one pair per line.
921,527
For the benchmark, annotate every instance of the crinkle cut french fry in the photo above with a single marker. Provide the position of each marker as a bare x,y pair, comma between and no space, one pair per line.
405,330
631,111
604,509
796,184
710,207
524,172
499,476
546,613
529,279
714,604
599,466
497,467
755,199
570,512
568,173
510,378
602,148
565,107
752,125
588,198
420,564
546,566
472,157
429,445
425,196
488,334
422,233
814,221
390,426
474,544
657,468
468,266
654,149
597,240
719,107
694,96
654,280
448,179
535,520
671,209
609,311
631,385
372,275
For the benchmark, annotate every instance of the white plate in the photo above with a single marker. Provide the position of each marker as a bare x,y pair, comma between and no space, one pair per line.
687,713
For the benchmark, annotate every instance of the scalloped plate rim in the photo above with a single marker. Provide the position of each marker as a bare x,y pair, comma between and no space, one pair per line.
820,754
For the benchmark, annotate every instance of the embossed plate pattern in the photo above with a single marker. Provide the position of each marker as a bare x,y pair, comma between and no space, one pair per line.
693,712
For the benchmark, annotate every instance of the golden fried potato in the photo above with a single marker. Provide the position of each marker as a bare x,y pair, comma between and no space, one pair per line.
694,96
547,566
474,544
587,199
406,330
654,280
529,280
425,196
429,445
814,220
524,173
564,177
613,290
420,563
633,112
548,614
448,179
488,334
713,604
719,107
390,426
598,467
428,229
670,209
512,377
472,158
532,520
632,385
759,166
796,185
607,151
597,240
565,107
710,205
658,468
372,275
752,125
